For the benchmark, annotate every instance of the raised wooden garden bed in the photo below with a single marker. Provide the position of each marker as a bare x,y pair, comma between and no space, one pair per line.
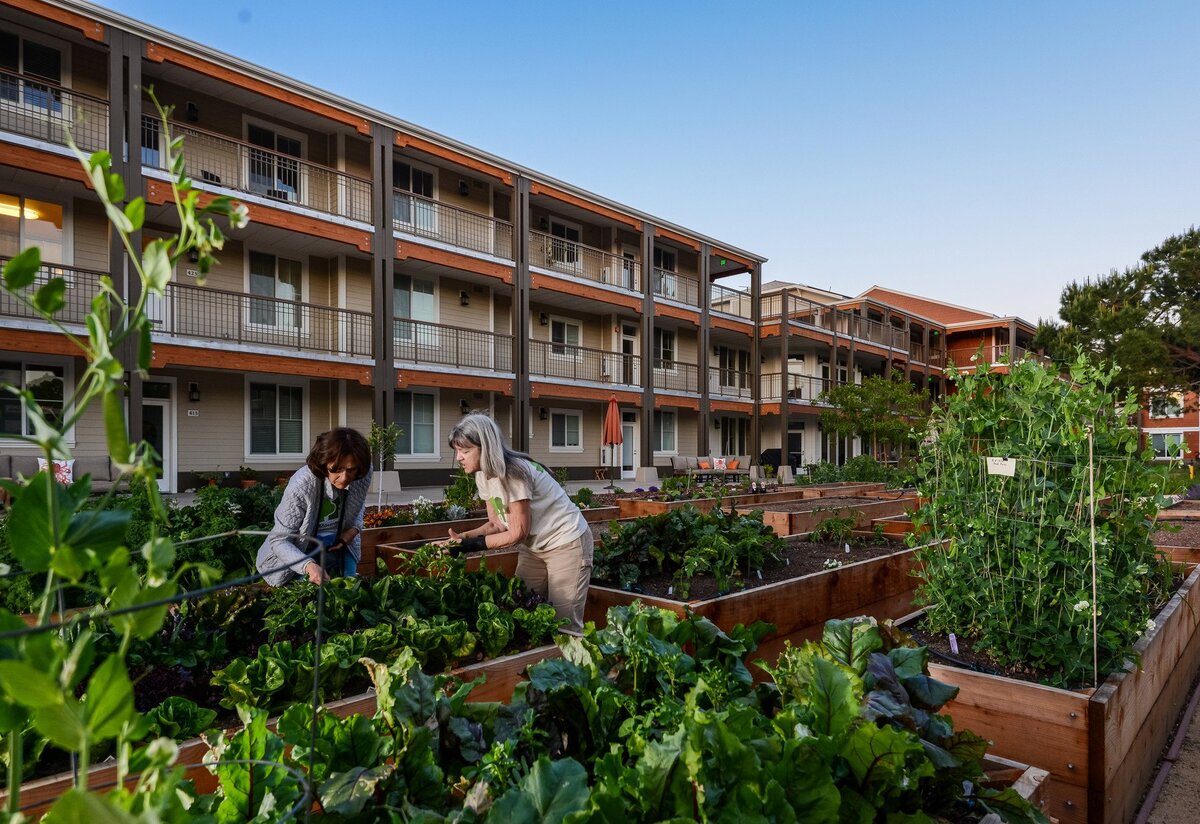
801,517
882,587
639,507
503,675
503,561
1101,747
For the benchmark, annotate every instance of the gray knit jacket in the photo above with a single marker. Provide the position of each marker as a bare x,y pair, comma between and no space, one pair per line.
283,554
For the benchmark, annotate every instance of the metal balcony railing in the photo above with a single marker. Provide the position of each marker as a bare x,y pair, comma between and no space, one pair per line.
217,160
730,383
578,363
188,311
677,286
424,217
832,320
421,342
82,285
45,111
731,301
676,375
800,388
989,355
557,254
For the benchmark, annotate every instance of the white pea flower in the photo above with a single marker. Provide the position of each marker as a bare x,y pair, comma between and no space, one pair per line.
1150,625
1082,605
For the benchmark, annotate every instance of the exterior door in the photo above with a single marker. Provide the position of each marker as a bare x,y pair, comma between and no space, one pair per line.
629,445
157,431
628,350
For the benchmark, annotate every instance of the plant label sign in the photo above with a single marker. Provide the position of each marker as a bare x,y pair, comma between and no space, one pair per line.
1001,466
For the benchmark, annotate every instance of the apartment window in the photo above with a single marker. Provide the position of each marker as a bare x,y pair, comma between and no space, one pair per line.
664,432
413,213
415,415
275,167
566,427
1167,444
664,349
1166,405
26,222
564,338
563,251
151,142
278,278
664,273
20,56
276,419
415,300
47,383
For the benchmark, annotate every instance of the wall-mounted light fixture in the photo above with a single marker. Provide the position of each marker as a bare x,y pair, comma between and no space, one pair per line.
464,188
194,392
716,350
716,423
542,413
544,319
464,298
191,112
543,224
464,406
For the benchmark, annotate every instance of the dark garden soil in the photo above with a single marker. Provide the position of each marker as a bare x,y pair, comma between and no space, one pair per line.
799,558
1177,533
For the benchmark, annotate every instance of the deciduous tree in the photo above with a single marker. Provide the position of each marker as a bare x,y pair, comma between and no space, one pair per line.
887,411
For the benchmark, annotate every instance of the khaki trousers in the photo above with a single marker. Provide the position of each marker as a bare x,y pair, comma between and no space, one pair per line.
560,575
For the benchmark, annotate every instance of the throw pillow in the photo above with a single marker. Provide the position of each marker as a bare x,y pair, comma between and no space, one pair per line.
733,464
704,464
64,471
719,463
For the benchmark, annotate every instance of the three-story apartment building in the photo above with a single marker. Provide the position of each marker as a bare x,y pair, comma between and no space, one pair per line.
389,273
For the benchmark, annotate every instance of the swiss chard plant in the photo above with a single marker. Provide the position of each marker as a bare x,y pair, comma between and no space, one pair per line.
1017,463
684,543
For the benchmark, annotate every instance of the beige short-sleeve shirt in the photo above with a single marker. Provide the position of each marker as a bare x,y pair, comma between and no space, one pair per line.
554,519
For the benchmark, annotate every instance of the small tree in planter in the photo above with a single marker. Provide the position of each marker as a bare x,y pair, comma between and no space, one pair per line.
381,440
1021,576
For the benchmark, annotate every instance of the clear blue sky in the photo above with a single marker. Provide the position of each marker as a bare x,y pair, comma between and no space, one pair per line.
984,154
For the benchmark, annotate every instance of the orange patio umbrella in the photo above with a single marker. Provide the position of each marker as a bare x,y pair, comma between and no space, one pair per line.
612,432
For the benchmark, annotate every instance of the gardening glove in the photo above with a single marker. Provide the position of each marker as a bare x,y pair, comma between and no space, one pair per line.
473,544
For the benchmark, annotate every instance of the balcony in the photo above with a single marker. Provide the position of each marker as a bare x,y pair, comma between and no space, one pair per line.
730,383
577,363
82,286
215,160
800,388
995,355
43,111
676,376
188,311
454,226
434,344
556,254
731,302
677,287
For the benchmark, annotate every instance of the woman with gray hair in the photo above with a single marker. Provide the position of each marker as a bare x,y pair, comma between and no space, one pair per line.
526,508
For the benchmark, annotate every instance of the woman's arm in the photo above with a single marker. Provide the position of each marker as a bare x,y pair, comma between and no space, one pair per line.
494,533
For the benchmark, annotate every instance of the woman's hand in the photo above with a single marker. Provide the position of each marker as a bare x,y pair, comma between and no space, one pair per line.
314,573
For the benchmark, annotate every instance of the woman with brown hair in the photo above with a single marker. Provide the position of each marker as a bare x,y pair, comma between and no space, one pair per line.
324,500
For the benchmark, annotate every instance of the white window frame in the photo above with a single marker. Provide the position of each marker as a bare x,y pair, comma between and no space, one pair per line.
1169,437
68,367
301,161
428,222
658,450
1175,399
554,241
660,363
68,231
424,457
565,413
306,397
303,298
64,81
428,337
571,351
667,281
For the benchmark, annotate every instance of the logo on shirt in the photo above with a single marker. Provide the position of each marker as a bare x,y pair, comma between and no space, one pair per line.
501,509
